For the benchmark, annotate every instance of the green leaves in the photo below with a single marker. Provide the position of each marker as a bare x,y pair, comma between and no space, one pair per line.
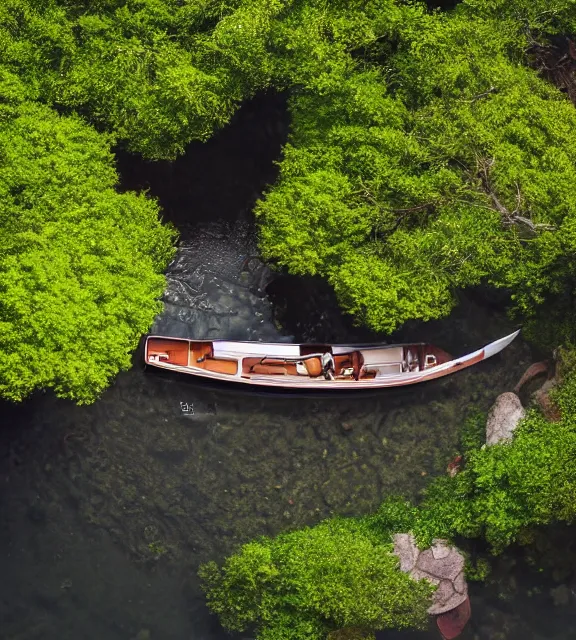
80,265
444,166
305,583
510,487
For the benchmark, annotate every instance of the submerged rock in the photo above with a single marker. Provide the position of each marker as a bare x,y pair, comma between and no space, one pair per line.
561,595
504,415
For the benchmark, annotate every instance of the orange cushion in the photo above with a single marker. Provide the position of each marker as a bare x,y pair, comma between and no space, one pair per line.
269,369
313,366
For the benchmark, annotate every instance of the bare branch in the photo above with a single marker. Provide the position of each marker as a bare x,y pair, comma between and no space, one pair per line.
417,208
509,218
402,213
481,95
533,226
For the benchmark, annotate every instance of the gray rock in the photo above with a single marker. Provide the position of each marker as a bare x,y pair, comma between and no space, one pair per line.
439,550
446,568
441,565
504,415
406,550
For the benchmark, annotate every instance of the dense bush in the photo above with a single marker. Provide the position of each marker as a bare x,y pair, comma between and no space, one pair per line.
304,584
80,264
426,153
507,489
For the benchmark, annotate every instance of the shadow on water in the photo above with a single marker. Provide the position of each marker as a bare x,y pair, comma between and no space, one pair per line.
107,510
218,179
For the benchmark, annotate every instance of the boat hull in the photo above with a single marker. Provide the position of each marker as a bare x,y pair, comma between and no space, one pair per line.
234,362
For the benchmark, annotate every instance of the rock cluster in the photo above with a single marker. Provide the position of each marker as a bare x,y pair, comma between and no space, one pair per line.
441,564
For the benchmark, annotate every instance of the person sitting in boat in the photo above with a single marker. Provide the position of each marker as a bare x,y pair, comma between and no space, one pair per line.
328,366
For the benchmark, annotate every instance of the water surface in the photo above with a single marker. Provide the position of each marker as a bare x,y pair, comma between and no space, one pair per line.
106,511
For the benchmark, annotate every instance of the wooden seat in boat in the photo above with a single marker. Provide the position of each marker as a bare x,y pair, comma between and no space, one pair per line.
173,351
269,369
202,357
268,366
342,362
219,365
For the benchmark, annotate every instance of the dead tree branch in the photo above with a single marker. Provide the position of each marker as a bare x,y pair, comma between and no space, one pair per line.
509,218
401,213
481,95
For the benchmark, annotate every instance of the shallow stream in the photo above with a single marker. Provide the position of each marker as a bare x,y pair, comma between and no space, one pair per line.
106,511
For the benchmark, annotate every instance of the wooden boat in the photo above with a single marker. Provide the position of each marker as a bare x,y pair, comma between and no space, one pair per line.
311,366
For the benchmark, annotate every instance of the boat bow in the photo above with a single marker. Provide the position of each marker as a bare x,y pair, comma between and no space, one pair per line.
495,347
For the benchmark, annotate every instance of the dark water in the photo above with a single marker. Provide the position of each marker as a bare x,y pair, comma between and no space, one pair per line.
106,511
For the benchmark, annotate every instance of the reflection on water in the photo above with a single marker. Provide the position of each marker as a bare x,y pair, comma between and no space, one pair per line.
106,511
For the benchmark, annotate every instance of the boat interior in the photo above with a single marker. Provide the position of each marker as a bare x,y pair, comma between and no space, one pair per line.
189,354
202,357
313,361
312,365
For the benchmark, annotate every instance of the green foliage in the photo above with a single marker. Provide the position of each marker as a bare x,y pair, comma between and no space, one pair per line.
478,572
425,155
143,69
510,487
528,17
340,574
473,432
303,584
80,264
450,166
395,515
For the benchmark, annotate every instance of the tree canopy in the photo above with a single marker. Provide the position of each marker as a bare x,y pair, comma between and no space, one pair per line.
307,583
427,153
80,265
450,165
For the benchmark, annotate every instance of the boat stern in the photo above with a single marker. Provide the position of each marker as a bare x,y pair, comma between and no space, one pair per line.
162,351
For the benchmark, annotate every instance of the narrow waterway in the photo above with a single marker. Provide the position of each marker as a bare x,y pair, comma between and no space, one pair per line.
106,511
